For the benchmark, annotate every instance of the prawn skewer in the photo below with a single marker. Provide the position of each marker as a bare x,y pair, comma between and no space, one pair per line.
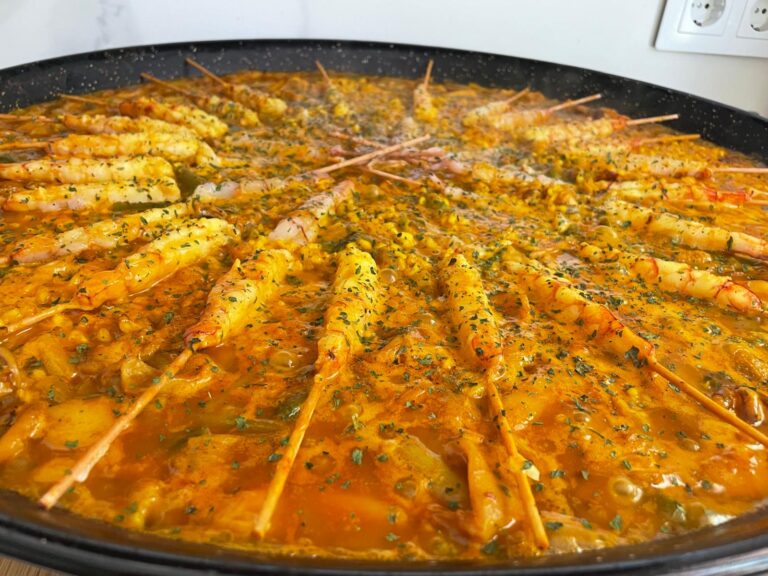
684,193
687,232
680,278
201,123
100,235
567,306
339,105
91,196
620,162
572,132
154,262
246,287
487,112
518,120
164,144
424,109
87,170
349,314
225,108
558,191
247,188
301,226
268,107
102,124
481,342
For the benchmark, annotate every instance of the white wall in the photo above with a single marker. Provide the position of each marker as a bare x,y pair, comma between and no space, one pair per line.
609,35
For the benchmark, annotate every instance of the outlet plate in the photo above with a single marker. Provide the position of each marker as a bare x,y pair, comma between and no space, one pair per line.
755,16
725,27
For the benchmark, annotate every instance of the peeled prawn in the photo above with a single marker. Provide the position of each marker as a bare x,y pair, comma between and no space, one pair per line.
224,108
519,120
686,232
91,196
100,235
679,193
245,289
102,124
87,170
268,107
683,279
559,191
203,124
486,113
167,145
575,132
301,226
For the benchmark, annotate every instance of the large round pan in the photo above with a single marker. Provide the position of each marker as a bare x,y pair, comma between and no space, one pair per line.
62,540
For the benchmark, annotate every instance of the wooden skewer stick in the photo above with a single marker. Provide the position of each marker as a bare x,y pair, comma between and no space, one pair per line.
572,103
356,139
666,139
428,73
84,99
507,438
202,69
40,316
320,67
25,118
365,158
368,168
319,386
518,96
707,402
653,119
741,170
83,467
23,145
168,85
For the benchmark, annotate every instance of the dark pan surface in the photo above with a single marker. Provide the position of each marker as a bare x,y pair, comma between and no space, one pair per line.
62,540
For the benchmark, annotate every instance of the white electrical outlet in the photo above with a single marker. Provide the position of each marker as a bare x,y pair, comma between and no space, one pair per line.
707,14
731,27
754,22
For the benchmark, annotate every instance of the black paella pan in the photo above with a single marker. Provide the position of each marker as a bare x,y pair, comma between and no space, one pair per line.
67,542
